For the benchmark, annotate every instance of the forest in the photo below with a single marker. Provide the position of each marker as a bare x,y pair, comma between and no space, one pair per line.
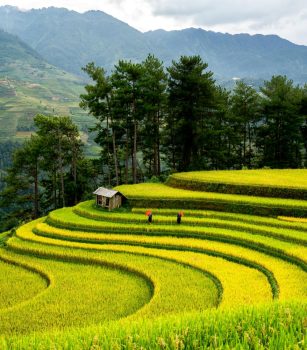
152,121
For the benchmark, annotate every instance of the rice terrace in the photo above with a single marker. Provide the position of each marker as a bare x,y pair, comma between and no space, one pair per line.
231,275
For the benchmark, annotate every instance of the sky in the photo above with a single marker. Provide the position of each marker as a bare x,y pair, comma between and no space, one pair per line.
286,18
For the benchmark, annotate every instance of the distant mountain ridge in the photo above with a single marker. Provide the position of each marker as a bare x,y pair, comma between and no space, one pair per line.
70,40
240,55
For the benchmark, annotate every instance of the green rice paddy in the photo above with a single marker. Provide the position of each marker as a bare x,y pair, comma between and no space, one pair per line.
87,278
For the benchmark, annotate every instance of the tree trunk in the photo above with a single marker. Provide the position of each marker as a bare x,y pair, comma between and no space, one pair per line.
115,157
249,145
113,140
55,200
61,174
74,171
157,146
108,154
126,158
134,163
36,199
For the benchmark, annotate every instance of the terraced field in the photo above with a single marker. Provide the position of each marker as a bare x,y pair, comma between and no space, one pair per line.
85,278
282,183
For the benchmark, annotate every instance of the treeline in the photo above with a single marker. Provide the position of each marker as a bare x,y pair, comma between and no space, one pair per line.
49,171
152,121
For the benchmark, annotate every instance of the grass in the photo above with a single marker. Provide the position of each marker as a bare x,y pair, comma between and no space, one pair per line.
119,282
18,284
249,293
281,183
286,274
279,222
295,220
66,218
3,237
270,246
287,285
285,178
189,281
276,326
157,195
71,302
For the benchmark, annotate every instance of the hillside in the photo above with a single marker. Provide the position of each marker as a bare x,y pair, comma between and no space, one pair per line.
29,85
240,55
70,40
216,280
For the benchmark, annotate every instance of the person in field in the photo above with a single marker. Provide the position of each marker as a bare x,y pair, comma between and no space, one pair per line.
149,215
179,216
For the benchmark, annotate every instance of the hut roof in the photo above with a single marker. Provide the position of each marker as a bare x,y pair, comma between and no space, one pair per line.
101,191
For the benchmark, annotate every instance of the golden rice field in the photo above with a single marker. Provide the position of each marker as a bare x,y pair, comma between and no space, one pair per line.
86,278
280,183
286,178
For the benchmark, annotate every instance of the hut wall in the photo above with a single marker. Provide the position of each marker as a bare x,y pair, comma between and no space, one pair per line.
111,203
114,202
99,200
118,199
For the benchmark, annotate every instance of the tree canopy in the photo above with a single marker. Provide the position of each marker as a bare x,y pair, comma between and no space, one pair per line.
152,121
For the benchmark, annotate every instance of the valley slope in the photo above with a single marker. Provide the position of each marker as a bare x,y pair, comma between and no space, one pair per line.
29,85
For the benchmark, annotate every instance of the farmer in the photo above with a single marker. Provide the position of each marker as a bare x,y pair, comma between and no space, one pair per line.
149,215
179,216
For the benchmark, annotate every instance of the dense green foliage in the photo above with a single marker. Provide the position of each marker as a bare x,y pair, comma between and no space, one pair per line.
152,123
191,100
129,106
28,86
280,136
47,172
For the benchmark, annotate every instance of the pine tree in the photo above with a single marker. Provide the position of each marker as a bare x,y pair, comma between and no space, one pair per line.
128,106
153,85
99,101
245,105
280,138
191,92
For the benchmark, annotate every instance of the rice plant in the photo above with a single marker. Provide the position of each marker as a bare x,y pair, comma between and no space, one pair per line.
85,278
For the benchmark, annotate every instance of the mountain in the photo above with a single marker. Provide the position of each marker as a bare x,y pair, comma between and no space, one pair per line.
29,85
240,55
70,40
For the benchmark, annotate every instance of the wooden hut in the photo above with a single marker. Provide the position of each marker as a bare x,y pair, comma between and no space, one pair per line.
109,199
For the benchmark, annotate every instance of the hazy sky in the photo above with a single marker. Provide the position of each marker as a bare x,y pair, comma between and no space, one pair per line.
286,18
